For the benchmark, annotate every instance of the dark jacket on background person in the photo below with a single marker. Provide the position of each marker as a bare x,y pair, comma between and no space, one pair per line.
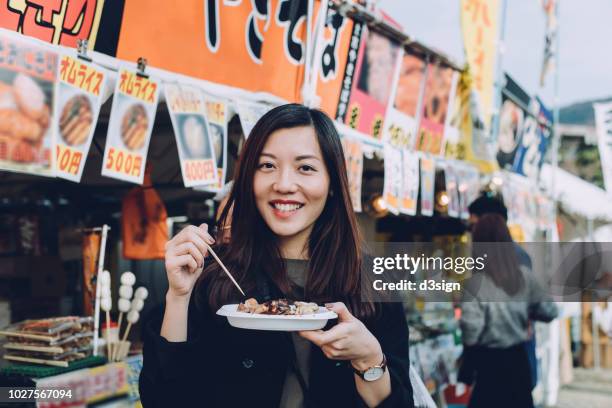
223,366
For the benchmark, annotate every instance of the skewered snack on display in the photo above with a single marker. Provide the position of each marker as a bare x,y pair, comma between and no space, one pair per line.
55,341
278,307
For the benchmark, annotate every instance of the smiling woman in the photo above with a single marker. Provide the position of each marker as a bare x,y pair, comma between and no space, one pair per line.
293,235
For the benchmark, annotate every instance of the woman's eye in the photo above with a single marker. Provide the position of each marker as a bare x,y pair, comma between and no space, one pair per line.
307,168
265,165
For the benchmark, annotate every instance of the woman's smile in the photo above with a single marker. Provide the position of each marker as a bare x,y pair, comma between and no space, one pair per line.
285,208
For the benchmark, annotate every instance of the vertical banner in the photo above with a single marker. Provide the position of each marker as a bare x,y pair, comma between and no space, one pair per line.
196,153
603,122
28,75
436,101
452,190
337,39
479,27
534,141
353,155
349,74
392,190
428,179
216,111
400,122
372,84
249,113
78,100
550,41
410,182
130,126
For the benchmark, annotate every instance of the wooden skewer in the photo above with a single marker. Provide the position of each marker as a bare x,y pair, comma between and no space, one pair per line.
116,346
225,269
108,328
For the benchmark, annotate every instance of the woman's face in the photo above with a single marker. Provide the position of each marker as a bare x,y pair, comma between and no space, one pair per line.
291,183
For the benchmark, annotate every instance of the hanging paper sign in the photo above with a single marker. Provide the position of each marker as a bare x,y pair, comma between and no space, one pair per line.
331,66
400,122
188,115
452,190
249,114
353,155
436,100
392,190
27,92
80,91
467,182
216,112
428,178
373,83
130,126
410,182
514,122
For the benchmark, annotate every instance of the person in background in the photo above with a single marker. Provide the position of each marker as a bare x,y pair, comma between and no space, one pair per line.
486,204
495,319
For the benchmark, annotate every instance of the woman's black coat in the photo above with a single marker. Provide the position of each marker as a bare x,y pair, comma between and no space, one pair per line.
222,366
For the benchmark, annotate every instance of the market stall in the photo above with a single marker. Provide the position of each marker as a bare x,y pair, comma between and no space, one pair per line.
141,136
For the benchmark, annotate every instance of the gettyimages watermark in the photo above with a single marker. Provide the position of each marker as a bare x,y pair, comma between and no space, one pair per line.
492,272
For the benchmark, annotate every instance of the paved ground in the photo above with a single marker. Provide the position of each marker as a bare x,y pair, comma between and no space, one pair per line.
590,389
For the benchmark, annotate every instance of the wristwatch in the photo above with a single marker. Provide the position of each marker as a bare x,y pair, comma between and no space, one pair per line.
373,373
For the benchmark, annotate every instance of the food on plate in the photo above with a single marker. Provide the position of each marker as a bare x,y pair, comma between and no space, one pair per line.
76,120
134,127
278,307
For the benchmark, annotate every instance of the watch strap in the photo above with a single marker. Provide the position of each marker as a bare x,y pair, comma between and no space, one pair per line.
382,365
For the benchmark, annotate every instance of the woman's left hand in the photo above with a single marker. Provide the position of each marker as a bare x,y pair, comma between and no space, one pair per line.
348,340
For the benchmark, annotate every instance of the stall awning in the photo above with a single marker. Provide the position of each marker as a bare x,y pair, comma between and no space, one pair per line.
577,195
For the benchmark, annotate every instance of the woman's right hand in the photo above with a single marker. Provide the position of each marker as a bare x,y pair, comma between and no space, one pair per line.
185,255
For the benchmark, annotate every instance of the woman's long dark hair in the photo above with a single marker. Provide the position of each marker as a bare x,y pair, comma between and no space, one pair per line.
494,241
334,246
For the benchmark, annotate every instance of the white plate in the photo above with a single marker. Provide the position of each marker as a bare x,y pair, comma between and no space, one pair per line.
242,320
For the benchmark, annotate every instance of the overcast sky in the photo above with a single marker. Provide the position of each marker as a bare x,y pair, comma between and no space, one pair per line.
585,36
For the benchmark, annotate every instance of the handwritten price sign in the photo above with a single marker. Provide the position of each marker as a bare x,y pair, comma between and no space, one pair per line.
81,75
137,86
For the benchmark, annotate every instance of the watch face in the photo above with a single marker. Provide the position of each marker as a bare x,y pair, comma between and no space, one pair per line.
373,374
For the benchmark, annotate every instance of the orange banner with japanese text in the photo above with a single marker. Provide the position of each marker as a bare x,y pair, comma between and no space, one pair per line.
258,46
60,22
